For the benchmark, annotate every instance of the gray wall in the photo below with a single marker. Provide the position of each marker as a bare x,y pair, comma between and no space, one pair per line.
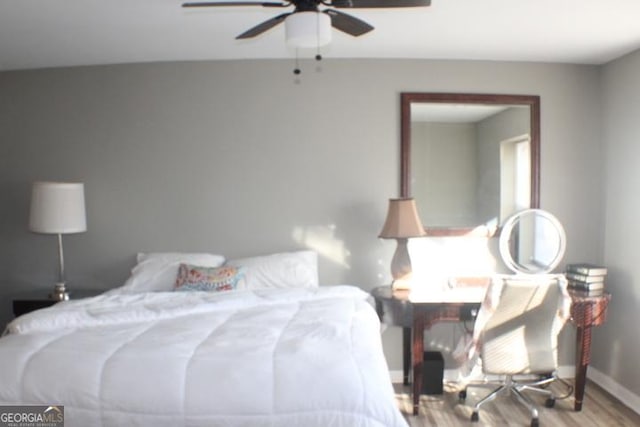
445,169
238,157
618,347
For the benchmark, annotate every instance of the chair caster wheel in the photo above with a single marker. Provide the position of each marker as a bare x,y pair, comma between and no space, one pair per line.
462,395
475,417
535,422
550,402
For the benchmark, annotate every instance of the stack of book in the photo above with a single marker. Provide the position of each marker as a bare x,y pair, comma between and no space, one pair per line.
586,277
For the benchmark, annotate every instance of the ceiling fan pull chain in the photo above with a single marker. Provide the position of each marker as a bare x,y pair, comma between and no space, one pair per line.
296,70
318,56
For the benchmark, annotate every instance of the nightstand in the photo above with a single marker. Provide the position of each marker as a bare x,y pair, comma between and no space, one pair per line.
35,300
24,306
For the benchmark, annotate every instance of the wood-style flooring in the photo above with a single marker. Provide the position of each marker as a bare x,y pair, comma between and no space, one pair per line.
599,409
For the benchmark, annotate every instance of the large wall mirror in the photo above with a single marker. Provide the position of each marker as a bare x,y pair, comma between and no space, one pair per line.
469,160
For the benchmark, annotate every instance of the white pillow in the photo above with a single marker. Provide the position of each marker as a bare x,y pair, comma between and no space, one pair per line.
157,272
282,270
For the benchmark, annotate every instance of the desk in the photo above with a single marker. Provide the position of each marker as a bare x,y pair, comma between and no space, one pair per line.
417,313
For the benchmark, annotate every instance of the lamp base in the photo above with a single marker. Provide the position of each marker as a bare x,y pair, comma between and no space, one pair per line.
401,285
401,266
59,293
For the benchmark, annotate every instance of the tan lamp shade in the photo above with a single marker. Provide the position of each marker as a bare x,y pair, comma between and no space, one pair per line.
402,220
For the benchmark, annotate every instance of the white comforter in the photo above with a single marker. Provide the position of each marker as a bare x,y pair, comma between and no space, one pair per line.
284,357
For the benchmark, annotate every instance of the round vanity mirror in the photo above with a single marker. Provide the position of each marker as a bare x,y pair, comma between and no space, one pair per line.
532,241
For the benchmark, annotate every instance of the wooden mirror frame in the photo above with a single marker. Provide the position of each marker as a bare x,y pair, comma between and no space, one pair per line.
407,98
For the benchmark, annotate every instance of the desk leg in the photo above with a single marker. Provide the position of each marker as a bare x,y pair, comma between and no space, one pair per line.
406,354
583,355
418,355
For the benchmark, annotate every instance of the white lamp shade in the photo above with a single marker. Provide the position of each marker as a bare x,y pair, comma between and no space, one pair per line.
57,208
307,29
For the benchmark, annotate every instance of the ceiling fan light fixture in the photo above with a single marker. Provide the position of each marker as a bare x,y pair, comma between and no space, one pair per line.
307,29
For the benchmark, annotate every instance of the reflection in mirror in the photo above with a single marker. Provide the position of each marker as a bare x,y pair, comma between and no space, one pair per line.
532,242
469,160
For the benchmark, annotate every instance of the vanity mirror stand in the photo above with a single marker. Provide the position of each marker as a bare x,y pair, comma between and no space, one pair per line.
532,241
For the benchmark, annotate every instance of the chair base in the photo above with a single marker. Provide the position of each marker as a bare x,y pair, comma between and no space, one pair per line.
515,388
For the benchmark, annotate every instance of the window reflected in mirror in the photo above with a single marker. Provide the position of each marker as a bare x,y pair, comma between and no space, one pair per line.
515,175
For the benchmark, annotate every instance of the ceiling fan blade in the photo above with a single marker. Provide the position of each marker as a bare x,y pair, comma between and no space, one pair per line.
364,4
262,27
234,3
347,23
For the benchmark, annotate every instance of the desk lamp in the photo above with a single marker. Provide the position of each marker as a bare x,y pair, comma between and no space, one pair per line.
401,224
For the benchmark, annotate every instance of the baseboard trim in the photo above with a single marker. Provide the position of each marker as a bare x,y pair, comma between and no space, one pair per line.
618,391
621,393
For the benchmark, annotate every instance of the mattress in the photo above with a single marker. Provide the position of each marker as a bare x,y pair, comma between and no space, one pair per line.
270,357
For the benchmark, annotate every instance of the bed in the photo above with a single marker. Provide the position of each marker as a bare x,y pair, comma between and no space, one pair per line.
255,354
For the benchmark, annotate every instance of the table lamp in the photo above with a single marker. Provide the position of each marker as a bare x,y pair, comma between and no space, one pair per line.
401,224
58,208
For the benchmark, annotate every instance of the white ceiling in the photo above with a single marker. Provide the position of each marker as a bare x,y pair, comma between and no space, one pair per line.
453,113
52,33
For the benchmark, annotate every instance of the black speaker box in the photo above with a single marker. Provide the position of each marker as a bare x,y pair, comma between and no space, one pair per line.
432,372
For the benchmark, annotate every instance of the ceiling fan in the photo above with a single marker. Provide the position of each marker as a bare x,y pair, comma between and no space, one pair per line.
324,19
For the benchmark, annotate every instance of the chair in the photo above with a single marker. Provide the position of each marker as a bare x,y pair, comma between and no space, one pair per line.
516,334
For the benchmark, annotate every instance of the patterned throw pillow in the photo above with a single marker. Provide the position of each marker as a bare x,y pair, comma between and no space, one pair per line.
195,278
